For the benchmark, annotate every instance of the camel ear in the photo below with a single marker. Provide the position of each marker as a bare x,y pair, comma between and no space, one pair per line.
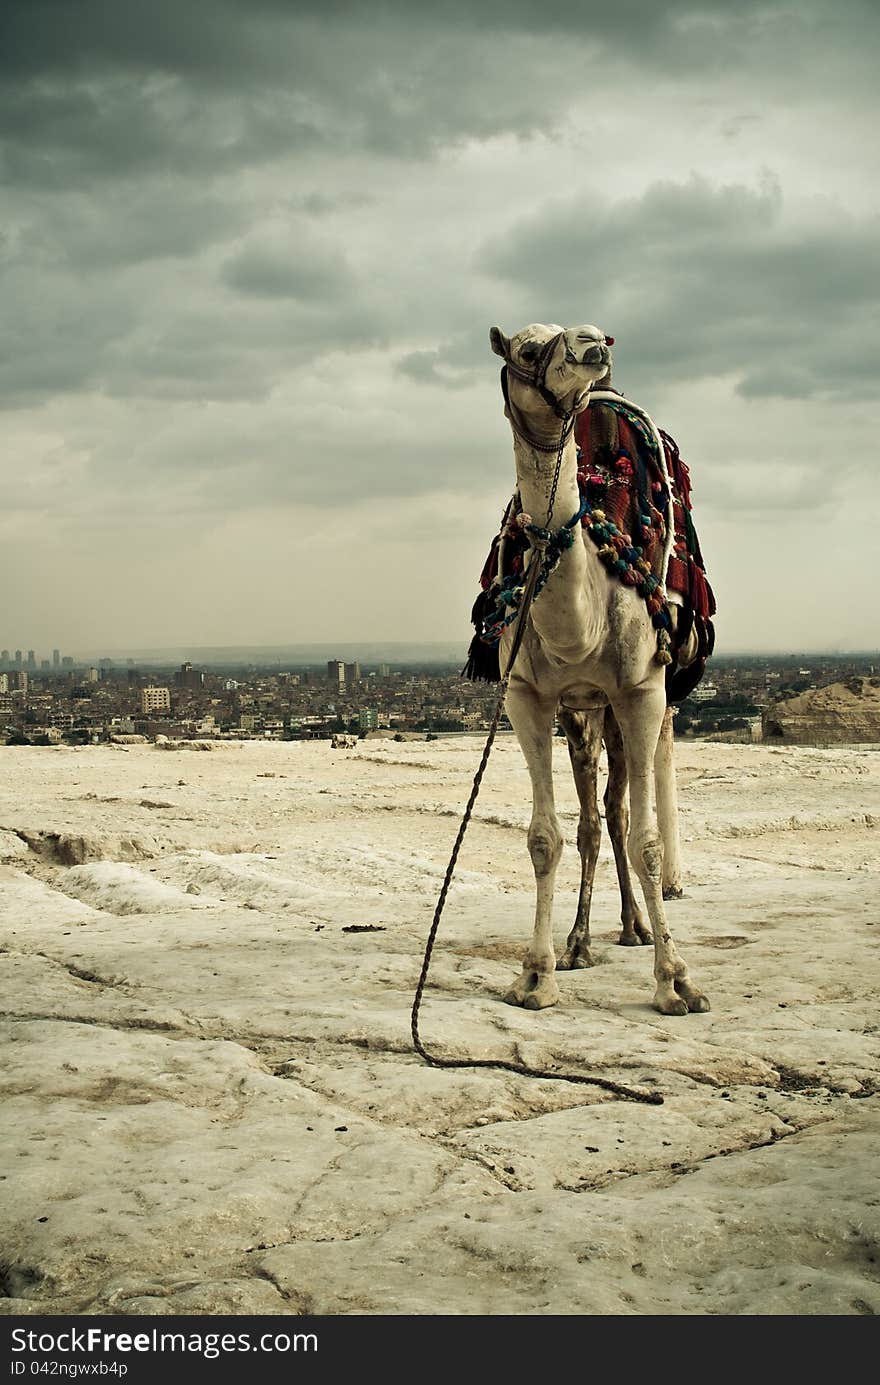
499,343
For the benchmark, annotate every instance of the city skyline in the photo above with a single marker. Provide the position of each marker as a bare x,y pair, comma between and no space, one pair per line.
251,255
441,653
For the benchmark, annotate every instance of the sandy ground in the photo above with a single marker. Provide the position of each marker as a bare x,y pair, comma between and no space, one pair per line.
210,1099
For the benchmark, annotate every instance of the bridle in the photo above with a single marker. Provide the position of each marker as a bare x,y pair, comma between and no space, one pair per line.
537,379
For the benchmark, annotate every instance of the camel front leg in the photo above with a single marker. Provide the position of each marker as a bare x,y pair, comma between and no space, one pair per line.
532,719
583,731
617,820
667,810
640,714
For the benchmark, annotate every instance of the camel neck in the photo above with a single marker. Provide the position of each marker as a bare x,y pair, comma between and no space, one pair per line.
565,614
534,473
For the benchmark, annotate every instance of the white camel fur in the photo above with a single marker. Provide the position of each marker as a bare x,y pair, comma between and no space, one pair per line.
589,643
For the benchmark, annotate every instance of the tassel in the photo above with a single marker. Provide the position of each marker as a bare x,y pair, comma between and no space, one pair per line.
663,655
483,664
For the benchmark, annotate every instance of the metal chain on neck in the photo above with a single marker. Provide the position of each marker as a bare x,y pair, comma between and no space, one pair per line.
521,1069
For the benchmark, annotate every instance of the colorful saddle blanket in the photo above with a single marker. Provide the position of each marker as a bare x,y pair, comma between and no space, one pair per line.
624,508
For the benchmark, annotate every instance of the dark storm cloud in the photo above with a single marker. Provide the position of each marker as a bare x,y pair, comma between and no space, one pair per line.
57,133
104,88
210,38
312,274
54,337
696,280
215,353
450,365
143,222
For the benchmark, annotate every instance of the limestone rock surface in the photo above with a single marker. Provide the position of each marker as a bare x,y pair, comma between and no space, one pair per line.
211,1100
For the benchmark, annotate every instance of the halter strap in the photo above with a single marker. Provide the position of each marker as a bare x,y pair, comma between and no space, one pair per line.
514,416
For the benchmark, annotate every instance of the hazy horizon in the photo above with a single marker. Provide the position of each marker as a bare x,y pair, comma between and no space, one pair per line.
368,652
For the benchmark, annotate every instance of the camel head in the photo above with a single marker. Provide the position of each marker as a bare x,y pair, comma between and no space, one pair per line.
553,368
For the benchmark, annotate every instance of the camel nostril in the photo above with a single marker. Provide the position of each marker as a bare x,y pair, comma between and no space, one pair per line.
609,341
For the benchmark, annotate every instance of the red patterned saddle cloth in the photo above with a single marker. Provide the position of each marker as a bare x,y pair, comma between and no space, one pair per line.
624,508
619,474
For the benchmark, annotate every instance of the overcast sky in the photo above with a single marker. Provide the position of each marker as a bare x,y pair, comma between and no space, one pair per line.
251,253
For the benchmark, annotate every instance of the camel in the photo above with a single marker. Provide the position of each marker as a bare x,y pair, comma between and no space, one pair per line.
589,644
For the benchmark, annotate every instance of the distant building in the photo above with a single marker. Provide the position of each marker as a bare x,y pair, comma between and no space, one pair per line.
45,664
4,656
352,673
92,675
4,682
383,670
32,659
189,677
18,680
67,661
368,718
18,658
336,672
155,700
56,657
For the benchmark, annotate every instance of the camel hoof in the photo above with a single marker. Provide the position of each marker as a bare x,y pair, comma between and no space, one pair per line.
635,939
533,991
673,892
696,1002
670,1004
573,959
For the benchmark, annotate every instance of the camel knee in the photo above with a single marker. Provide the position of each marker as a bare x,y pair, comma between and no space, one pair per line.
617,819
646,855
589,834
545,847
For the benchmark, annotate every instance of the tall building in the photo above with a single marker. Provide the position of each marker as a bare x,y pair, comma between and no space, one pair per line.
92,675
353,673
18,658
4,656
32,658
189,677
18,680
155,700
4,682
45,665
56,658
67,661
336,672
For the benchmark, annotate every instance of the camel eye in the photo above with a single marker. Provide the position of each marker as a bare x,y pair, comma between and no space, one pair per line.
530,350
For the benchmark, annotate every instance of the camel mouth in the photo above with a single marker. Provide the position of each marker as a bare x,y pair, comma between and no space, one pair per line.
596,355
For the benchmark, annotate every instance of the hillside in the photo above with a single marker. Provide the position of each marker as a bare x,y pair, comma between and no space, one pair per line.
839,714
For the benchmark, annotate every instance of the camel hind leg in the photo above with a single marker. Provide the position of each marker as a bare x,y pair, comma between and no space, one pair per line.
667,810
617,820
583,731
